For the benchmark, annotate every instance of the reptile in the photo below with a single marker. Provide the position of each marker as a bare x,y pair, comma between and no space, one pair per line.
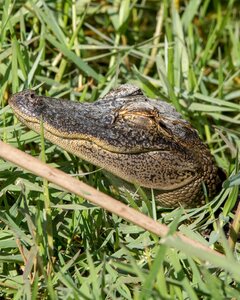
143,141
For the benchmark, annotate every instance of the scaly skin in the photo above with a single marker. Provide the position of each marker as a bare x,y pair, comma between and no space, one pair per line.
141,140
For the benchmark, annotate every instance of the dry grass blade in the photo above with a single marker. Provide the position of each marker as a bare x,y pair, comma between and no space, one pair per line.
234,230
98,198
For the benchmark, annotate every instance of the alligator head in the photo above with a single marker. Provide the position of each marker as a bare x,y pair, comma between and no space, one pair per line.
141,140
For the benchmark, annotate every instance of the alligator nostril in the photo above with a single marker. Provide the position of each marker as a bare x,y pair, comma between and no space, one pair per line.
32,95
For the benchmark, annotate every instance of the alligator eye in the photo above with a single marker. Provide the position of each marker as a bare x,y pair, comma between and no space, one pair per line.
141,114
139,120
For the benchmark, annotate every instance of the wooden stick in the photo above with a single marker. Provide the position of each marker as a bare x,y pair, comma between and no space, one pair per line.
79,188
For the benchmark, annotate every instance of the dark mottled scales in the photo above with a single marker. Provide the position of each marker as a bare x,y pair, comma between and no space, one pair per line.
141,140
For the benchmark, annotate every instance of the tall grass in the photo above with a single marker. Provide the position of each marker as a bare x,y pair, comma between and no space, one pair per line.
184,52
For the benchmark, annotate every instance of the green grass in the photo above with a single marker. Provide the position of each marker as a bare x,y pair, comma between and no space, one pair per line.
57,245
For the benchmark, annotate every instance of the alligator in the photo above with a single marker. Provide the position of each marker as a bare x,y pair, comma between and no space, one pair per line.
143,141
